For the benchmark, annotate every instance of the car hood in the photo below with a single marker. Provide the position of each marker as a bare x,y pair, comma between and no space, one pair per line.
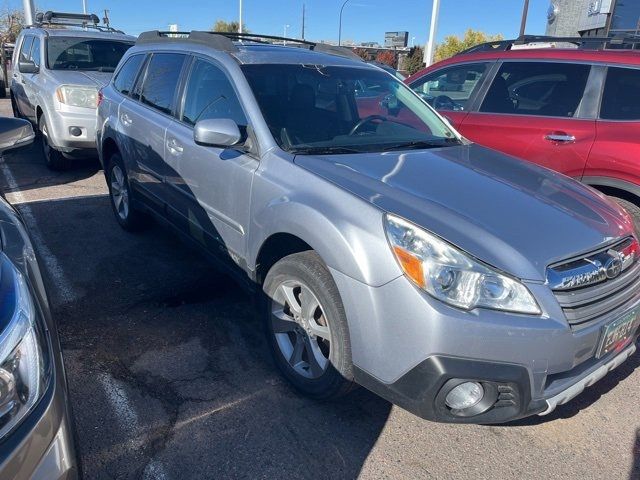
509,213
78,77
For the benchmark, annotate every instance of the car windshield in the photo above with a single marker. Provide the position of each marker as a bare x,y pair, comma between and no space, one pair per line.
85,54
316,109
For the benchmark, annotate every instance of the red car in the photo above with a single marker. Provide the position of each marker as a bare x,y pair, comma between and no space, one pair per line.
575,110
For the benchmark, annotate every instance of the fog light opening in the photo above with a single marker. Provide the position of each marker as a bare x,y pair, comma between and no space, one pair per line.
465,396
75,131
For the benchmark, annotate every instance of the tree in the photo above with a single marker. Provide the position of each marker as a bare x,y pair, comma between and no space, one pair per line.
11,23
387,57
228,27
453,44
363,53
414,61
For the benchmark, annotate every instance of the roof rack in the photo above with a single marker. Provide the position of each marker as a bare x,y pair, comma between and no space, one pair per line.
71,20
586,43
224,41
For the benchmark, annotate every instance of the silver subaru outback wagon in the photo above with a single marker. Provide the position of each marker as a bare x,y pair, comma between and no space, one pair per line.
387,251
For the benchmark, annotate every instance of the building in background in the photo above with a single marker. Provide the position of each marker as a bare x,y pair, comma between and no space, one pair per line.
594,18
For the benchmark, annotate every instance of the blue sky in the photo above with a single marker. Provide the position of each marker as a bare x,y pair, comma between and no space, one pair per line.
363,20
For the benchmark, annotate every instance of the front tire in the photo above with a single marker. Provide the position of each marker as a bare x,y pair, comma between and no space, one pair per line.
54,159
128,217
307,327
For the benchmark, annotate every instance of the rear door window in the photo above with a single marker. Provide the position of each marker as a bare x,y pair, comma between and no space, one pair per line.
126,77
621,96
161,81
537,88
450,88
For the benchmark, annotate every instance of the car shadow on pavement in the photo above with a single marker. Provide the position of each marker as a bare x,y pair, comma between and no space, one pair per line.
635,468
26,160
169,369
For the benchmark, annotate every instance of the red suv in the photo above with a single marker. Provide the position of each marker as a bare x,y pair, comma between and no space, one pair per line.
575,110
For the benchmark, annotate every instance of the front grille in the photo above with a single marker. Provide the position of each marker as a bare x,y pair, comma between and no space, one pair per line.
601,292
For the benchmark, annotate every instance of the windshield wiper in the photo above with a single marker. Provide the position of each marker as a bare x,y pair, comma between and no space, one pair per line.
322,150
420,144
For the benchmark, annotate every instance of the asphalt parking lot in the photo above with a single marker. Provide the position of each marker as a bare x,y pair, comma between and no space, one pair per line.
170,376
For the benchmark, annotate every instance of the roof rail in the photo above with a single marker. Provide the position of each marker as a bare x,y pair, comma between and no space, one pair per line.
223,41
587,43
71,20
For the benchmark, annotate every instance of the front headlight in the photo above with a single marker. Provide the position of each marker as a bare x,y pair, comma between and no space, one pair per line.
23,363
86,97
451,275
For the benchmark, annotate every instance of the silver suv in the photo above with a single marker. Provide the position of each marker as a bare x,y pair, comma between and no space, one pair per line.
388,251
59,66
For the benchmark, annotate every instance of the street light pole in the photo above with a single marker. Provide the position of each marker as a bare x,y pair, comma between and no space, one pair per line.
240,18
29,11
285,32
525,12
84,6
340,24
430,47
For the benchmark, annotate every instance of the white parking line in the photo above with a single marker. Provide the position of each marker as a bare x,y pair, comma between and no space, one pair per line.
63,289
128,419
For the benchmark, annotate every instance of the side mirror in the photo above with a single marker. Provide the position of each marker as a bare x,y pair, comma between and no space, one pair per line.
14,133
28,66
390,102
217,132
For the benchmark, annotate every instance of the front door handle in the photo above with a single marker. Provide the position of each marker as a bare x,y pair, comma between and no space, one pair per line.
174,146
560,137
126,120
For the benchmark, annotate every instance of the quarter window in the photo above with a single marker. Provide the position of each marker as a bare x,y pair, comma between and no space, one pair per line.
126,77
621,96
536,88
25,49
210,95
161,81
450,88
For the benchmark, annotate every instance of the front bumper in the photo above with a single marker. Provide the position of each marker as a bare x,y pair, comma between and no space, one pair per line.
406,346
66,120
42,447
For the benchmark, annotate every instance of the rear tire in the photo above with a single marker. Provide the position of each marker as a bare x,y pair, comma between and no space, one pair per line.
307,327
632,209
53,158
127,216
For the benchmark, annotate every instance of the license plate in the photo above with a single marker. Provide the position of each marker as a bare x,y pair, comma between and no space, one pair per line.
618,334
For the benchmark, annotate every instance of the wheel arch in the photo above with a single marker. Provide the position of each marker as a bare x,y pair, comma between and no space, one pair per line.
615,187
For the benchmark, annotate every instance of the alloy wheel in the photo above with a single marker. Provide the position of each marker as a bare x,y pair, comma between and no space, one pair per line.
301,329
119,192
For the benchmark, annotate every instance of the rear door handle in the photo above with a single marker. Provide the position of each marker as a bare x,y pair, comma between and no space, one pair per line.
126,120
560,137
174,147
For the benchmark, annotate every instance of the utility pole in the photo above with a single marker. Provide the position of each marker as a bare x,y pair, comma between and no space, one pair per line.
106,20
84,6
430,47
340,23
240,18
525,12
303,20
29,11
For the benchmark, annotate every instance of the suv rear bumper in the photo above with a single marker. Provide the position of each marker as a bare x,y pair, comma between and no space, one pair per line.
406,346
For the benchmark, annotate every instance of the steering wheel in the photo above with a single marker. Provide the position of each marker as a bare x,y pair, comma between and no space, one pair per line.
364,121
443,102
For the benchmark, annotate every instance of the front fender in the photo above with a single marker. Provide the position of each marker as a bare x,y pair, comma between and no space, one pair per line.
346,232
